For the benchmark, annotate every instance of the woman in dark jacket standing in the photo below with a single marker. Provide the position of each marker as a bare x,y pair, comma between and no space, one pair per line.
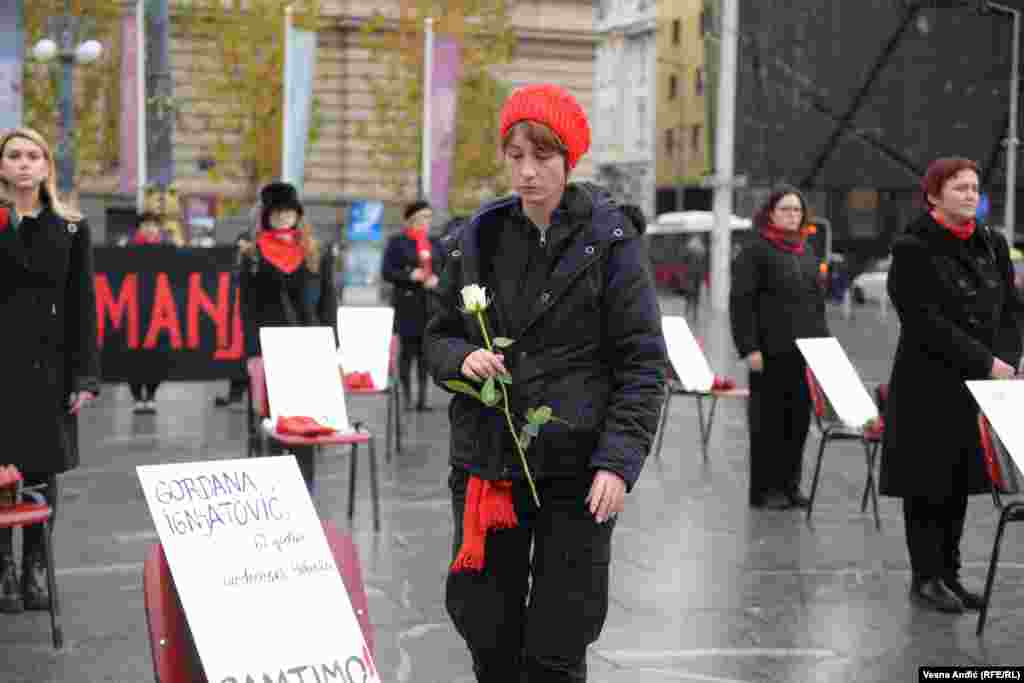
777,297
411,263
48,359
570,284
951,282
285,280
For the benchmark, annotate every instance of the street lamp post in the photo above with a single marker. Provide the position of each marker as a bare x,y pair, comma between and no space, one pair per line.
67,31
1011,134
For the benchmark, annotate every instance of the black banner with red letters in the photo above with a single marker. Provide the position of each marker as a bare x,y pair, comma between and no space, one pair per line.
168,313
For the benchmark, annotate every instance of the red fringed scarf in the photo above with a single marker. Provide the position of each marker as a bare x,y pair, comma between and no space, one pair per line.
961,232
488,507
283,248
418,234
785,240
142,238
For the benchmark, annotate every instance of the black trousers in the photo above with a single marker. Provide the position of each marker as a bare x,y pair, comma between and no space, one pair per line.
531,617
934,528
779,417
144,392
32,536
409,350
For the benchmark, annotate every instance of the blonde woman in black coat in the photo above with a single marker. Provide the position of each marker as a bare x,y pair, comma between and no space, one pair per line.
48,355
951,282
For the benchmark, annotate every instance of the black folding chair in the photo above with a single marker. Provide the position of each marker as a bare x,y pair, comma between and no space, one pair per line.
1006,481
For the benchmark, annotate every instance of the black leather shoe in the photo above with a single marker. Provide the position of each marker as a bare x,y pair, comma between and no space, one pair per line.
10,589
224,401
934,594
798,500
774,500
970,599
34,588
423,408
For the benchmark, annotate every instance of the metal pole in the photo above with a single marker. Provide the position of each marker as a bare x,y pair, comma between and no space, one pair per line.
140,84
721,233
66,177
428,77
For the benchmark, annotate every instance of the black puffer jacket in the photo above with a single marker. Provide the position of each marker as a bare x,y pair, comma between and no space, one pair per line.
590,347
776,298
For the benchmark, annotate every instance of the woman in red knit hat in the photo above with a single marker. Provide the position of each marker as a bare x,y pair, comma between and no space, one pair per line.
567,278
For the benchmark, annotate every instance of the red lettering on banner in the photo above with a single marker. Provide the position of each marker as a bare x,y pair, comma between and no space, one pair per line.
237,348
198,299
164,316
125,305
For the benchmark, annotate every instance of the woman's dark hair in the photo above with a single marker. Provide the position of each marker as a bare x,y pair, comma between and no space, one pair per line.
941,170
763,217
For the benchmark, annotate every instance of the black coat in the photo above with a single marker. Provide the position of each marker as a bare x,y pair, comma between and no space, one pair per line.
958,309
591,349
48,348
776,298
409,298
273,298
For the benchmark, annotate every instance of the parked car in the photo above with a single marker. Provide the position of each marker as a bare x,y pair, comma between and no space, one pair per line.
870,285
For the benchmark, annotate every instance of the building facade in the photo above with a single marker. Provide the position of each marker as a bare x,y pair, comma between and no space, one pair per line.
650,131
555,41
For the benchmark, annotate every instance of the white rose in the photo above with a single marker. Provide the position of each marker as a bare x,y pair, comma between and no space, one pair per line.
474,298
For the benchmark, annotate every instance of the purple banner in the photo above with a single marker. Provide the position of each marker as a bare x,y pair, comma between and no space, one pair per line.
130,105
12,44
443,98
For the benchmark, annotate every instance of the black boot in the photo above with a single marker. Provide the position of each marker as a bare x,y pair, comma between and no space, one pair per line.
34,588
10,590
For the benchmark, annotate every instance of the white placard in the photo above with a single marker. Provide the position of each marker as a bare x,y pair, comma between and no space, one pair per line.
685,354
301,364
257,579
364,335
1001,400
839,380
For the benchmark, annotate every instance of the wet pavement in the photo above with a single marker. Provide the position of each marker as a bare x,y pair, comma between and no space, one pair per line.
703,588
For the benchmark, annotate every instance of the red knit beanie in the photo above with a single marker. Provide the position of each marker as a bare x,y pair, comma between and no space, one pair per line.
554,107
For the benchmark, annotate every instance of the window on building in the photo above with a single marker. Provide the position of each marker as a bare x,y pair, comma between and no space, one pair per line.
673,83
670,142
696,133
705,23
698,81
676,29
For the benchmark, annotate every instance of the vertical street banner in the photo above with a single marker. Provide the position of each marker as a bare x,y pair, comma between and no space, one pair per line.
12,47
364,234
443,98
299,65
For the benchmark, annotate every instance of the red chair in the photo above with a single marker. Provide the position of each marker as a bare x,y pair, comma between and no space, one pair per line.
175,659
705,422
394,424
38,511
259,407
1005,480
832,429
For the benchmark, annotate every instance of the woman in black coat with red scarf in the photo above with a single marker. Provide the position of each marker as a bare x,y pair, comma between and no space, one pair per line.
951,282
411,263
285,280
48,356
777,297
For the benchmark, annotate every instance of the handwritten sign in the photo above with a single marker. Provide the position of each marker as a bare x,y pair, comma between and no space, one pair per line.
364,335
301,364
839,380
685,354
1001,400
257,579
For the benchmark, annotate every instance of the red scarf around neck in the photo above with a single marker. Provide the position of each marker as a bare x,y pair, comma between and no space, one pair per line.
418,234
142,238
961,232
786,240
282,248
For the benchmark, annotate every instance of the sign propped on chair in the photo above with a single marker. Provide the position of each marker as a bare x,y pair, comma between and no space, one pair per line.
685,355
256,576
1000,400
839,380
